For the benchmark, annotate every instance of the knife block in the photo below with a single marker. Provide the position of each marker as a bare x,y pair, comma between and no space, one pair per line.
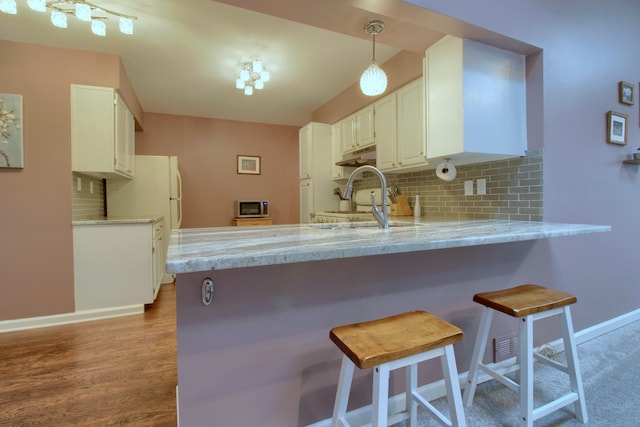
401,207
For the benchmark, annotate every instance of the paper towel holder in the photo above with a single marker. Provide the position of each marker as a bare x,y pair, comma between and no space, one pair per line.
446,171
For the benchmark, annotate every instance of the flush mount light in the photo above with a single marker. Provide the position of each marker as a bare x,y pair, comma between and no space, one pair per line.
373,81
252,76
81,9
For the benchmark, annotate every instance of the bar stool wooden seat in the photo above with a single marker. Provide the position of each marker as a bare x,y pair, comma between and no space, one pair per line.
529,303
400,341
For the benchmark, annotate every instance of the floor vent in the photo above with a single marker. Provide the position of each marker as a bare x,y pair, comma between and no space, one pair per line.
505,347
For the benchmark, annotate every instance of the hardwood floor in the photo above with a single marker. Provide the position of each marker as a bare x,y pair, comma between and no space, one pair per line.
113,372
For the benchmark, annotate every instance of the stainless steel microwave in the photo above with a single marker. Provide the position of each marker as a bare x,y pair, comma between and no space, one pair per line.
252,208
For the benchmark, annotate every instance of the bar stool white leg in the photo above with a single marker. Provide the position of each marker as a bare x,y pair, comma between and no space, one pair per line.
342,395
452,384
526,371
380,395
411,386
573,365
476,357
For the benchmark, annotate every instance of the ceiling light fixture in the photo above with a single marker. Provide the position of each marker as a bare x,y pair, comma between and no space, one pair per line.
253,75
81,9
373,81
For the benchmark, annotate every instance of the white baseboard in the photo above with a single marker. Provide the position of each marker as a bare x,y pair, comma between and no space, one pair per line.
435,390
66,318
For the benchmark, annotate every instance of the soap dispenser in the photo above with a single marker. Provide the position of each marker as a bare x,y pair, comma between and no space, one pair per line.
416,207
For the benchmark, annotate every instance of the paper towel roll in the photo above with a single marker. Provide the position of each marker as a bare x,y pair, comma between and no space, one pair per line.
446,171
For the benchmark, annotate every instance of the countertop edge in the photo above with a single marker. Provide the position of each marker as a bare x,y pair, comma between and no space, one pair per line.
195,250
118,220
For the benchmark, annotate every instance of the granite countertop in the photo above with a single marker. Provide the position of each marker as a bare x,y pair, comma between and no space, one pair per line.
203,249
111,220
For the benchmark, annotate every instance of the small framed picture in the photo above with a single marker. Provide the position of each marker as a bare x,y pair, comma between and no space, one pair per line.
626,93
249,165
616,128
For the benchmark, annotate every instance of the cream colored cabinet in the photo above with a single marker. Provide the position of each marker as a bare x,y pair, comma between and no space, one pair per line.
349,134
399,124
338,172
475,102
316,183
357,130
412,142
386,133
102,133
117,265
365,128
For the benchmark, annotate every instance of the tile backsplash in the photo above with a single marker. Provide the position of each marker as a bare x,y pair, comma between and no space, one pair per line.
87,204
513,186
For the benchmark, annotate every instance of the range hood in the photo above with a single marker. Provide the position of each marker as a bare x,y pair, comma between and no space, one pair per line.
366,156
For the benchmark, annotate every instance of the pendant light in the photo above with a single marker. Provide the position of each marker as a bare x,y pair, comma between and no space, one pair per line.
373,81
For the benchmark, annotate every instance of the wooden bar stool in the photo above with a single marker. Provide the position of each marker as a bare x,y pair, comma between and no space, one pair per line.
529,303
400,341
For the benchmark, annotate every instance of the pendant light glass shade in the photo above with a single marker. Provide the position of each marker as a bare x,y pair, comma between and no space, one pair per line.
98,27
8,6
83,12
126,26
58,19
373,81
37,5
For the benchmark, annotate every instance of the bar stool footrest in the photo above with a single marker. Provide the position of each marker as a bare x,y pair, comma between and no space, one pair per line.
554,405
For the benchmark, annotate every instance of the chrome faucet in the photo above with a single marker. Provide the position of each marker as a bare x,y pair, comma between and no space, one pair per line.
381,216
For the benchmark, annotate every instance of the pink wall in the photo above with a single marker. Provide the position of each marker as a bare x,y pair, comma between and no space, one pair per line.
35,202
207,152
401,69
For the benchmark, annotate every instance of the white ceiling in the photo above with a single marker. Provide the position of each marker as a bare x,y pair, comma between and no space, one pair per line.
184,56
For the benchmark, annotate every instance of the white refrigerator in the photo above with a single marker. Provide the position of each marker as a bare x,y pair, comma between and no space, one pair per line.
155,190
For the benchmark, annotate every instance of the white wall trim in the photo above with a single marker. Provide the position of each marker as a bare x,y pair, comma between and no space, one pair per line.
436,389
66,318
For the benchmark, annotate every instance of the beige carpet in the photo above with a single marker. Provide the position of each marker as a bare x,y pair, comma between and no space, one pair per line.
610,367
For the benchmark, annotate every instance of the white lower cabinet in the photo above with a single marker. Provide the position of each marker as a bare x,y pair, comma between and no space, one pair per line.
117,265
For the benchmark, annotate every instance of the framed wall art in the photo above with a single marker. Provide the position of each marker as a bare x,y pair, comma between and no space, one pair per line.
11,150
249,165
626,93
616,128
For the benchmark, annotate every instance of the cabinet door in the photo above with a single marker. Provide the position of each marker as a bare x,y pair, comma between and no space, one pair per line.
365,125
120,162
412,148
386,137
305,152
130,144
349,134
306,201
92,129
337,172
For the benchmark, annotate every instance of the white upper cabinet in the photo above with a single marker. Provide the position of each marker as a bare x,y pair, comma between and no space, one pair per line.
412,143
400,135
357,130
475,102
102,133
365,125
386,133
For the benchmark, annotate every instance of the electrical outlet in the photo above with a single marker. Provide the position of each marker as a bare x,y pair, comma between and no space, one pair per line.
468,188
481,185
79,184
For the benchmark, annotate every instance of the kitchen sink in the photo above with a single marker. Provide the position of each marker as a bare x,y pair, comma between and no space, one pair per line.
362,224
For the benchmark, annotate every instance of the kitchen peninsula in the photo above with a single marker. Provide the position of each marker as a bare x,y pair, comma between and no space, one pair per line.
260,353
